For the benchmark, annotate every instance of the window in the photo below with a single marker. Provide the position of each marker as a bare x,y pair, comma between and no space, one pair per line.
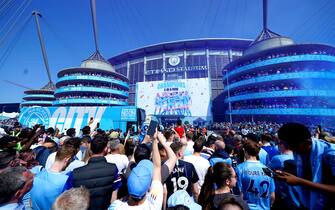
155,64
196,60
121,70
136,73
154,77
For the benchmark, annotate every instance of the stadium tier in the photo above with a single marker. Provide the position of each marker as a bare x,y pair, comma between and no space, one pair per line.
94,83
282,82
39,97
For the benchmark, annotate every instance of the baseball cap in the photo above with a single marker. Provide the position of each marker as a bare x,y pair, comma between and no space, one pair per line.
181,197
139,180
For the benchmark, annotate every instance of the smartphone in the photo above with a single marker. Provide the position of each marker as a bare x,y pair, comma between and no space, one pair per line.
269,172
290,166
152,128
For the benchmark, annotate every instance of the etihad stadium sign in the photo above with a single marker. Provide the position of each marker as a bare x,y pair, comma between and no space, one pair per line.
176,69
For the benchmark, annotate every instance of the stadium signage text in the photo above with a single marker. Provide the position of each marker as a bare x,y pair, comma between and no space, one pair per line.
176,69
77,117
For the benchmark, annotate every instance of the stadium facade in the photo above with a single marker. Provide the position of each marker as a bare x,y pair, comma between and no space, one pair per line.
184,60
279,81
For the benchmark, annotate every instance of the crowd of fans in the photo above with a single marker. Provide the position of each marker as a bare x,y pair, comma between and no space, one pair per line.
269,88
224,166
92,97
92,74
114,87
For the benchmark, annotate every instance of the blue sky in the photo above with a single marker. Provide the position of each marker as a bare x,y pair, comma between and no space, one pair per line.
129,24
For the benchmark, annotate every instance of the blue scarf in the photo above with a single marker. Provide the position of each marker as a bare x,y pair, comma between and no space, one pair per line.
320,149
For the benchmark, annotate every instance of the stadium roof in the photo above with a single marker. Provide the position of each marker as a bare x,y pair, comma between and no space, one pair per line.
298,48
213,43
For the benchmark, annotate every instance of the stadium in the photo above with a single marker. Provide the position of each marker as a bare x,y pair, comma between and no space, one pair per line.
94,83
162,64
279,81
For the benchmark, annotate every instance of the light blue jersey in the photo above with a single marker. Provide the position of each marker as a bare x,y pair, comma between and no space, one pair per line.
47,186
264,157
288,194
277,161
255,185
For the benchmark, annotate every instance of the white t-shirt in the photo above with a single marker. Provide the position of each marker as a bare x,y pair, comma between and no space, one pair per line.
121,161
73,165
201,166
189,148
50,160
149,203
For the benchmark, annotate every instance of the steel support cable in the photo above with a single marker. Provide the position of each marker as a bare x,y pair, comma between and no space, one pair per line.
12,17
13,25
134,31
148,30
327,28
235,16
117,26
5,4
225,11
153,32
6,8
317,11
15,40
124,23
244,15
202,27
2,3
135,21
68,49
215,16
316,22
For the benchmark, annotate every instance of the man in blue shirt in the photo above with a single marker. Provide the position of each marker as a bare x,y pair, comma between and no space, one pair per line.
49,184
315,161
267,146
220,155
257,188
277,161
286,195
262,156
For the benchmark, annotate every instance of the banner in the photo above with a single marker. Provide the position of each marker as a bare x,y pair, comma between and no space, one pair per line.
77,117
189,98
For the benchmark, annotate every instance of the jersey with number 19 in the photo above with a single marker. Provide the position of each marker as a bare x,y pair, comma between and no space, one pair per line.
255,185
181,178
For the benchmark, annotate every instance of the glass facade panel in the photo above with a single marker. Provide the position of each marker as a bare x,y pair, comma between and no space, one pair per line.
121,70
196,60
136,73
132,88
155,64
154,77
131,100
174,76
216,63
196,74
